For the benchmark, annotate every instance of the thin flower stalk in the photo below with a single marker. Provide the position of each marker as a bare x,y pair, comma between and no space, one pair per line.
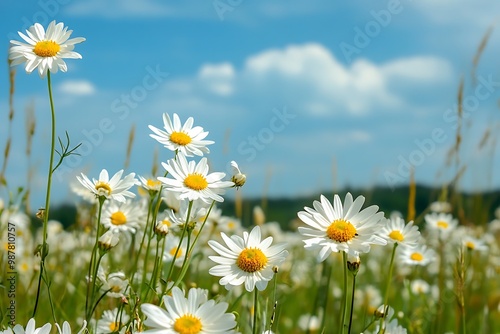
388,286
44,249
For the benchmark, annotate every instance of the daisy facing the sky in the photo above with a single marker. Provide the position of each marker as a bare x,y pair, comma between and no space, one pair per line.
192,315
341,227
192,181
247,260
182,138
115,188
45,50
396,231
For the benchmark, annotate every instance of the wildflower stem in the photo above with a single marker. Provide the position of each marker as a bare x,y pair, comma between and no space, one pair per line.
93,265
352,300
344,290
255,310
44,249
389,279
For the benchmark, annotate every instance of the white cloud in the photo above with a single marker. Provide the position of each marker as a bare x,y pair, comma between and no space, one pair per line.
311,79
77,87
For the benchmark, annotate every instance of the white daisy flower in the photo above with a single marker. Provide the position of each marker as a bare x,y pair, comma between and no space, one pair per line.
31,329
109,239
474,244
149,184
341,228
115,284
417,256
191,181
66,328
45,49
395,231
246,260
124,217
441,223
419,286
115,188
172,250
184,139
238,178
194,314
109,323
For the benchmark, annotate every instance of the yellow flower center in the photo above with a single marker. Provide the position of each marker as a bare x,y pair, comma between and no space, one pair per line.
251,260
341,231
152,184
396,235
103,187
416,257
116,288
470,245
46,48
166,223
187,324
196,182
442,224
173,250
118,218
114,327
180,138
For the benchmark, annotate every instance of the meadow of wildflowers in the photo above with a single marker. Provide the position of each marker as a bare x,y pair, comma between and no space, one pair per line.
154,253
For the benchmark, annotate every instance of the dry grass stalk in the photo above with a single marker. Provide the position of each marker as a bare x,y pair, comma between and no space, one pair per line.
131,137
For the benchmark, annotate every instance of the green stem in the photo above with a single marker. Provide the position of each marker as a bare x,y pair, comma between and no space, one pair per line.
92,265
255,310
387,288
44,250
352,301
344,299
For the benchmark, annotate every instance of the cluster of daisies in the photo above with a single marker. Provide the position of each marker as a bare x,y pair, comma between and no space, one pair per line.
176,220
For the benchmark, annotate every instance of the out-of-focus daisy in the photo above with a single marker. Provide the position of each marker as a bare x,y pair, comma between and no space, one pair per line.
309,323
192,181
440,207
341,227
115,284
443,223
185,139
172,250
396,231
109,239
194,314
419,286
31,329
238,177
45,49
150,184
246,260
417,256
115,188
111,322
66,328
474,244
124,217
229,224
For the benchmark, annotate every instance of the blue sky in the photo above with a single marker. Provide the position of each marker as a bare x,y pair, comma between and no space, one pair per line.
306,96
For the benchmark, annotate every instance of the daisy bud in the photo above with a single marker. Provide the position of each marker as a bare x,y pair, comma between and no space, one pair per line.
353,263
161,228
108,240
238,178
